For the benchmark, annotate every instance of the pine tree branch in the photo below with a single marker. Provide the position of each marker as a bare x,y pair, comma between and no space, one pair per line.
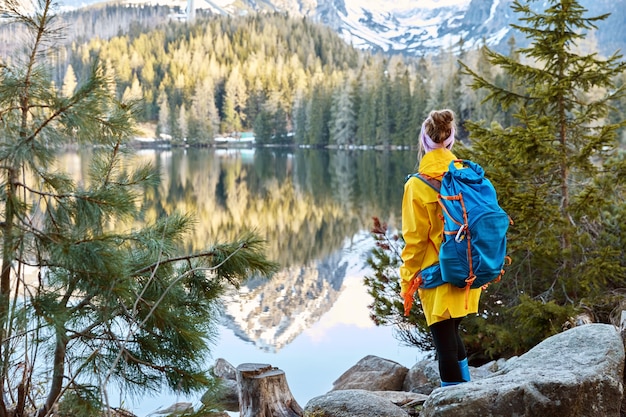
190,257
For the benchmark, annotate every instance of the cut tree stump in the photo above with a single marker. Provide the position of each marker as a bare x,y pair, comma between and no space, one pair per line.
263,392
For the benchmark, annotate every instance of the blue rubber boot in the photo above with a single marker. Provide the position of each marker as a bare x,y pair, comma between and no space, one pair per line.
465,373
449,384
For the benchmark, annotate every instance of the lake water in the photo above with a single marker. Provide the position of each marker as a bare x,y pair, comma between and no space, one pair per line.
314,208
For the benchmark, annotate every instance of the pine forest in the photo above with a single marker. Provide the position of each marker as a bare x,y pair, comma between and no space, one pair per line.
287,80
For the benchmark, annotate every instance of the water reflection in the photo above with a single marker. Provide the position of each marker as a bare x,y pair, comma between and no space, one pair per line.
308,204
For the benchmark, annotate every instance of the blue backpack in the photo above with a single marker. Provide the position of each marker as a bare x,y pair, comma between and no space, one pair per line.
473,250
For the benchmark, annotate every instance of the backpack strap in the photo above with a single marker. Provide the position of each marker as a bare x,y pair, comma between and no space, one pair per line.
433,183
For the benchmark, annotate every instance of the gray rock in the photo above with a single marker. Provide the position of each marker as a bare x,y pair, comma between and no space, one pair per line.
174,409
223,369
577,373
623,334
227,397
423,377
401,398
373,374
352,403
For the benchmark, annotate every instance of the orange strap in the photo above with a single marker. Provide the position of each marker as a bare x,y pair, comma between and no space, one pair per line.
409,296
507,262
469,281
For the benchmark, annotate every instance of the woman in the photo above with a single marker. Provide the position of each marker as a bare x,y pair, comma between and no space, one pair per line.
444,305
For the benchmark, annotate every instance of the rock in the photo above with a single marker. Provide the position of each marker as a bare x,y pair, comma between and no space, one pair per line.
223,369
491,367
352,403
227,397
623,334
401,398
372,374
175,409
423,377
577,373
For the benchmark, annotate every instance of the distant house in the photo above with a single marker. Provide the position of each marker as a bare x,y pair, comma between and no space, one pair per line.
190,11
243,137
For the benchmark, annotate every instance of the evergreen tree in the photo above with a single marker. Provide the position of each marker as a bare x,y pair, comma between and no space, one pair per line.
384,119
368,115
558,175
279,126
69,82
133,92
263,128
87,298
476,106
235,97
505,80
300,121
421,92
318,117
203,114
183,122
402,103
343,115
164,124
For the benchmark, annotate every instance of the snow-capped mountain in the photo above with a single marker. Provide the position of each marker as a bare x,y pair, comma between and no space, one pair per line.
417,27
412,27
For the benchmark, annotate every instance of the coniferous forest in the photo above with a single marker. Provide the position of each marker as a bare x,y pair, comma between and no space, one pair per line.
288,80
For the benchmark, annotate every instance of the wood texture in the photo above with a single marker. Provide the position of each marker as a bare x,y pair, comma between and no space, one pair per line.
264,392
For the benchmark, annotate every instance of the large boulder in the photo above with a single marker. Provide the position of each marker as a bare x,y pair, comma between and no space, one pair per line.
577,373
373,374
352,403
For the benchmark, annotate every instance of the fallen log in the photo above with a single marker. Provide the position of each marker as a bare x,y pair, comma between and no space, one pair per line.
263,392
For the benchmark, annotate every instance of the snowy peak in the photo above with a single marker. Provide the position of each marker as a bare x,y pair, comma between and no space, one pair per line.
402,28
411,27
419,27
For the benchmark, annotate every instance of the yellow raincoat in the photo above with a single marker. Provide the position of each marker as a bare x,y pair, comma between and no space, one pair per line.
422,229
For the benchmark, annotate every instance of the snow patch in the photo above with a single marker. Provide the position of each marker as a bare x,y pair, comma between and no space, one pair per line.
492,12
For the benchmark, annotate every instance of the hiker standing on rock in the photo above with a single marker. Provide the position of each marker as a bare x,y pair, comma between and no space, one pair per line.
444,304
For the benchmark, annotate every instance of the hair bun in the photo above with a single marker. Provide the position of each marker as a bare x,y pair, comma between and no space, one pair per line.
442,119
439,125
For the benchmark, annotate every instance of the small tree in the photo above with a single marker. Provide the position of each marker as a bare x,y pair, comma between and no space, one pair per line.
383,285
87,297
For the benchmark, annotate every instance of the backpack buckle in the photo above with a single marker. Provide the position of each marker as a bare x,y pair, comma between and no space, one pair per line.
460,234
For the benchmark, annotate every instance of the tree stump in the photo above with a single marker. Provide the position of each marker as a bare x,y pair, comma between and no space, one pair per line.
263,392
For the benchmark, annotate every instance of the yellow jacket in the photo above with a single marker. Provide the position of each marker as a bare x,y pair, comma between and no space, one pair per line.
422,229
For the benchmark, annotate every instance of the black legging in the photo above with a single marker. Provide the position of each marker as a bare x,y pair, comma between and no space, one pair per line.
450,349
